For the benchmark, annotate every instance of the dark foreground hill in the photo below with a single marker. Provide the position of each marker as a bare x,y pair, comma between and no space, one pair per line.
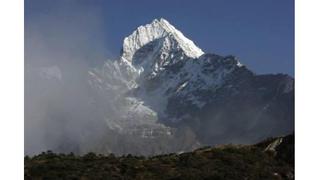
270,159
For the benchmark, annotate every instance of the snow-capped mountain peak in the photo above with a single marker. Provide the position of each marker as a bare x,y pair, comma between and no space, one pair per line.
163,81
157,30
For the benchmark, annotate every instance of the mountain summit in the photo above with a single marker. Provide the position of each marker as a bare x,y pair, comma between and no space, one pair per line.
158,30
152,47
166,89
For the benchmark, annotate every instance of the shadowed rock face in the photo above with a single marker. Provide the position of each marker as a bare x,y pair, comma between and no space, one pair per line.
221,101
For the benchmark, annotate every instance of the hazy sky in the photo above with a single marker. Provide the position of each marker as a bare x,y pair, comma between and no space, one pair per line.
260,33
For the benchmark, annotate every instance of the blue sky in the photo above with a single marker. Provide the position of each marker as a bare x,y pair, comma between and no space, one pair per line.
260,33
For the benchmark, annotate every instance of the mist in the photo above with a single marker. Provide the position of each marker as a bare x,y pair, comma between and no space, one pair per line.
61,46
75,97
